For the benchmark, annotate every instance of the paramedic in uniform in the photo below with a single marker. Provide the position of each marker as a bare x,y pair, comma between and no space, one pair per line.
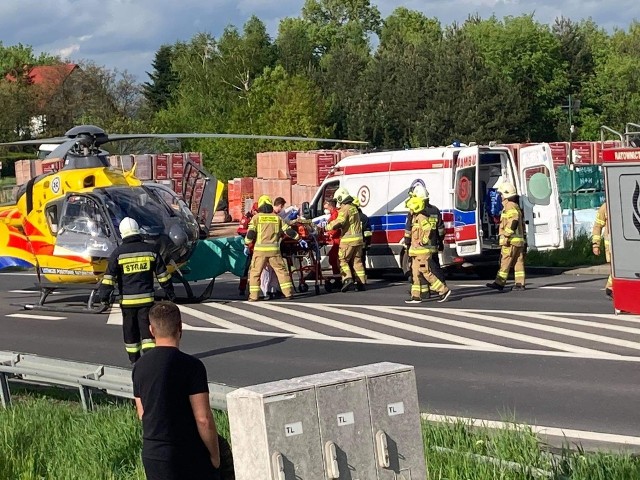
511,239
132,266
351,241
600,230
423,246
264,233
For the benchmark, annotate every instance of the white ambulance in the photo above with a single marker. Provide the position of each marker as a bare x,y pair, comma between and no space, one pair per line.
458,180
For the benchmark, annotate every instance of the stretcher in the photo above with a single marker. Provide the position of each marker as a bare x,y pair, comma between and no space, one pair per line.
304,262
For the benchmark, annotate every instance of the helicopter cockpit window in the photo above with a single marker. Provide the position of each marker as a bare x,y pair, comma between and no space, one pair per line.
174,202
83,229
137,203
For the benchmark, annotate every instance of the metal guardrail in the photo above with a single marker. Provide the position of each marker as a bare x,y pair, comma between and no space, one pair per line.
87,377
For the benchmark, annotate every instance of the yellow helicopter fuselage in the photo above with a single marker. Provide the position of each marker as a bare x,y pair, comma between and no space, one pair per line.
29,229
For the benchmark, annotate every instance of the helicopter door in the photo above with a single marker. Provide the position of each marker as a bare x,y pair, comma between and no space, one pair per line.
201,192
84,229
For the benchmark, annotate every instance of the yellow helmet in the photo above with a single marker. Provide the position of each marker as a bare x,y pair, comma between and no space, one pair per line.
264,200
340,195
507,190
415,204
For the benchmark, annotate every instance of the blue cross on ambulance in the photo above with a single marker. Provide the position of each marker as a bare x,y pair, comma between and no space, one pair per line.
462,182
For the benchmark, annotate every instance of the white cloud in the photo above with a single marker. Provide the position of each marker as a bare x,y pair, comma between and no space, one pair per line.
125,34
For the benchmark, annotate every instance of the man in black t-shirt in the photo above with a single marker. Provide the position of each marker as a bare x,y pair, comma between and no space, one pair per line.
179,436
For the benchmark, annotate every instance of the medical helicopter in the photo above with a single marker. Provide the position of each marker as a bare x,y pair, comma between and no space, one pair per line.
65,223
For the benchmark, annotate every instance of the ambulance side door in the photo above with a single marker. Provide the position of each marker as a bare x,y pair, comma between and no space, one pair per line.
466,203
539,198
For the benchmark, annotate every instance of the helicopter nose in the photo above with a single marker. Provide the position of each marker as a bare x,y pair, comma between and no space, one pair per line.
178,236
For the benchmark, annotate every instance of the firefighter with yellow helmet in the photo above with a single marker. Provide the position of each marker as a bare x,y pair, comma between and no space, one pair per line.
351,241
421,250
600,231
265,231
367,234
511,235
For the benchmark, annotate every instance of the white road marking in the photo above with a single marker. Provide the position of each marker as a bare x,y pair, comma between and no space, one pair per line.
267,320
410,328
224,324
552,287
115,316
35,317
552,431
632,318
557,330
339,325
490,330
583,323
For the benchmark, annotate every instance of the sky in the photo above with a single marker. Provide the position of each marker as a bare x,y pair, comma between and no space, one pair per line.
125,34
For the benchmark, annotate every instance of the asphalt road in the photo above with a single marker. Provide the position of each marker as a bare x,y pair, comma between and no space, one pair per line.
553,355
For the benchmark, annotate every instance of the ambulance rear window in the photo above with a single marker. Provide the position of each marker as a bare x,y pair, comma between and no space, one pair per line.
465,189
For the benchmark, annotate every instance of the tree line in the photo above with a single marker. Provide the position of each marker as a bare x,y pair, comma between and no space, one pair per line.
341,70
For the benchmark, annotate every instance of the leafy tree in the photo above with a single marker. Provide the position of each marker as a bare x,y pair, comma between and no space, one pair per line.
393,91
295,50
15,59
613,94
528,54
331,21
163,80
468,98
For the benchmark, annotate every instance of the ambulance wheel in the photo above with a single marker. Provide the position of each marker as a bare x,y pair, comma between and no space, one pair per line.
303,288
317,289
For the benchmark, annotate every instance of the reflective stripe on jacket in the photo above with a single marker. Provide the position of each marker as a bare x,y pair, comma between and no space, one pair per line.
511,231
132,267
421,227
349,222
268,229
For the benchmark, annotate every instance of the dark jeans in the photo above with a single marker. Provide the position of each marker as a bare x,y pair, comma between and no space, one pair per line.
168,470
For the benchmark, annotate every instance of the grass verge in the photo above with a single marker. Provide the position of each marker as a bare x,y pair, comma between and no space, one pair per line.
576,253
49,437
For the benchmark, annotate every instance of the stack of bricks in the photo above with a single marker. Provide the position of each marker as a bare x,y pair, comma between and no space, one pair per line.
295,176
239,191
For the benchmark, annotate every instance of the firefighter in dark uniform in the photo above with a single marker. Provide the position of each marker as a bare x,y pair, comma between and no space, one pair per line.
132,266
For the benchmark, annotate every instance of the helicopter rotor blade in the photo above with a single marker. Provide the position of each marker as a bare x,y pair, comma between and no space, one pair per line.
62,149
172,136
38,141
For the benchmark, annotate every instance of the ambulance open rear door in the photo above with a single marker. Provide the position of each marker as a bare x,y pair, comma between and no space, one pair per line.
466,203
539,198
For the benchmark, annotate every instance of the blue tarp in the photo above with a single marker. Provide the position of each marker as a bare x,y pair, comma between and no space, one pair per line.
215,256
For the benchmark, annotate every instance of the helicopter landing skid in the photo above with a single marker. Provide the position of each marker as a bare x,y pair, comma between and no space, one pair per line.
191,298
91,306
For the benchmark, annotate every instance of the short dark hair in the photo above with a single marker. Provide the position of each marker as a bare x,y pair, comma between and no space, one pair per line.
332,202
165,318
279,201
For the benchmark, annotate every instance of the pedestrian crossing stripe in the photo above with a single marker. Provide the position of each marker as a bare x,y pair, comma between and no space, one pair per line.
555,334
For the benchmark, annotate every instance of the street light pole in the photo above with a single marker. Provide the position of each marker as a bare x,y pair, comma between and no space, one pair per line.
571,170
